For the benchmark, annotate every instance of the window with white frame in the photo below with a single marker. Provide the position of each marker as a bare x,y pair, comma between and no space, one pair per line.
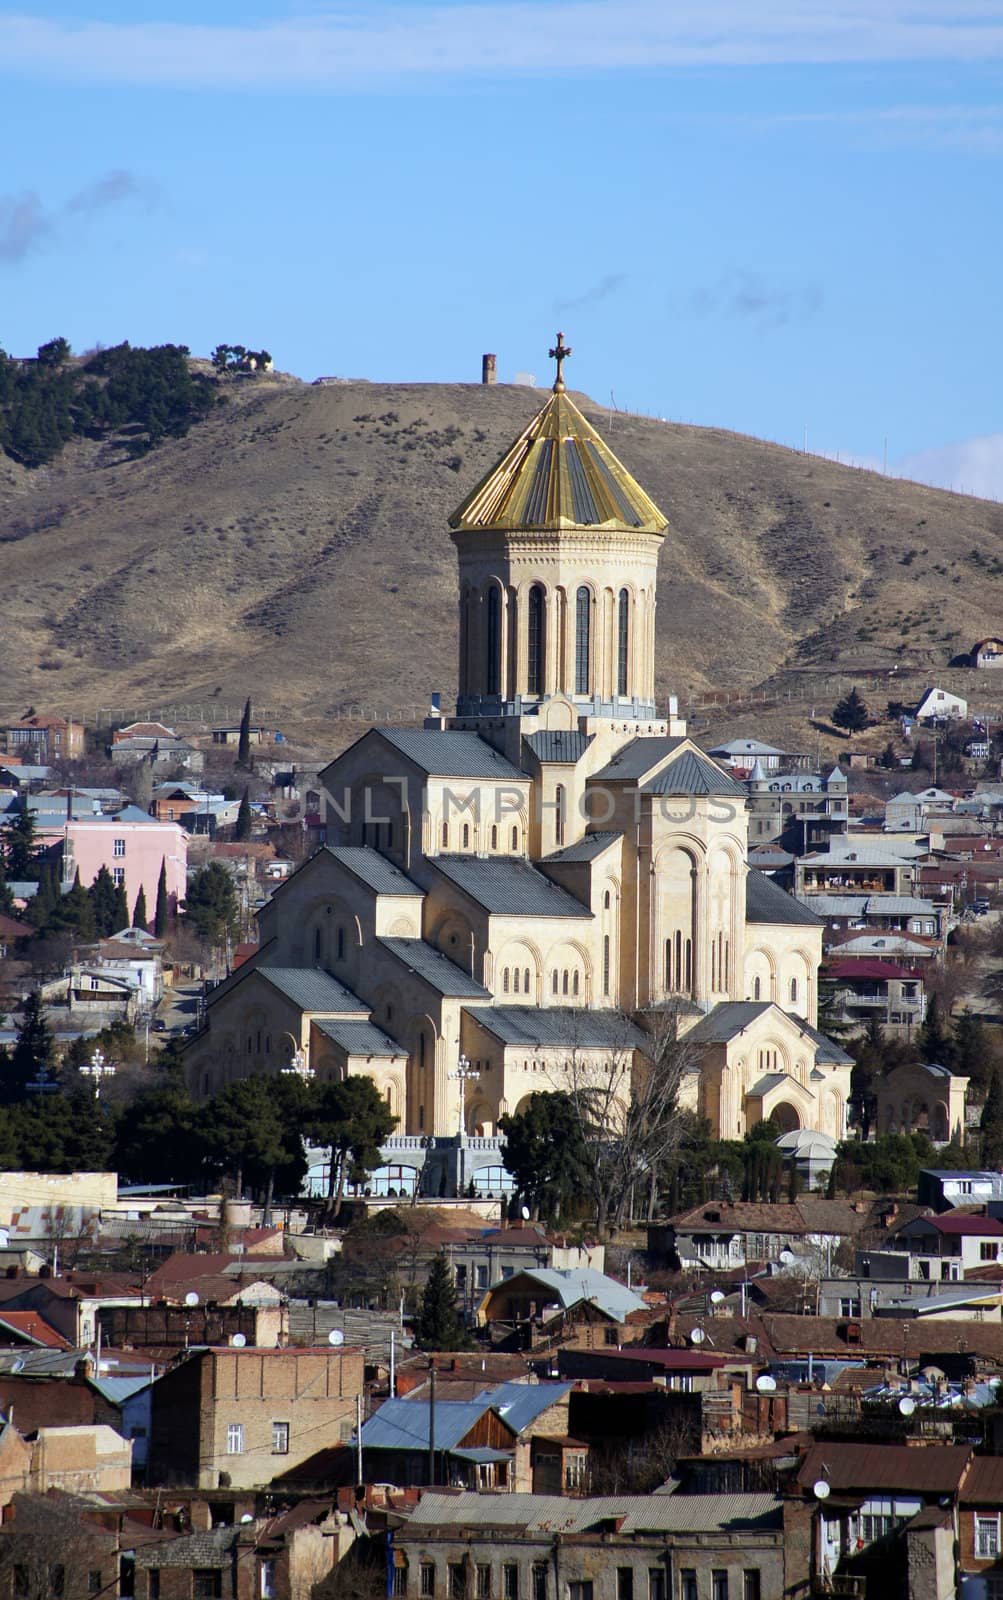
235,1438
987,1536
118,849
118,875
280,1438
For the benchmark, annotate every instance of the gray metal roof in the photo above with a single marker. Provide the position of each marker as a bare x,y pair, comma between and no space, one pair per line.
769,1080
508,886
373,869
553,1514
436,969
312,989
586,849
446,754
765,901
211,1548
403,1424
827,1052
727,1018
637,758
519,1404
566,1026
360,1038
830,905
570,1286
559,746
693,774
744,747
117,1390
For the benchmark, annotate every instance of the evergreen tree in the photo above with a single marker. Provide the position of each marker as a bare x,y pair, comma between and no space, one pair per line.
121,907
971,1050
851,713
244,737
7,906
34,1049
439,1323
991,1124
351,1118
935,1041
105,904
211,904
162,912
889,759
19,846
545,1151
139,916
242,827
244,1132
43,907
74,913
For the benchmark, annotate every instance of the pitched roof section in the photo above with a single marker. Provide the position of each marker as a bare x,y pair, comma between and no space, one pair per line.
570,1286
445,754
566,1026
436,969
765,901
558,474
586,849
507,886
360,1038
373,869
311,989
554,1514
727,1018
559,745
693,774
637,758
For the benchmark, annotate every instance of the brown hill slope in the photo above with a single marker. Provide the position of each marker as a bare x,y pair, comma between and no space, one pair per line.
295,547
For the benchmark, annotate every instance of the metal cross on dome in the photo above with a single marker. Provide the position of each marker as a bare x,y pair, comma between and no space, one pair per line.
560,354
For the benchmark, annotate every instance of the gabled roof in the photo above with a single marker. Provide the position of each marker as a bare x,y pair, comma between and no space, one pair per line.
727,1019
373,869
555,1514
565,1026
404,1424
570,1286
559,746
519,1404
952,1225
443,753
765,901
861,1467
436,969
744,747
692,774
586,849
508,886
559,473
360,1038
311,989
637,758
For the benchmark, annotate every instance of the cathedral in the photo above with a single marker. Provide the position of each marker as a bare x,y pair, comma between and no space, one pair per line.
522,884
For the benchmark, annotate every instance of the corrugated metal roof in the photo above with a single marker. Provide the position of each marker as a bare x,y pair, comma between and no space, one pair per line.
311,989
827,1052
519,1404
765,901
360,1038
373,869
569,1286
586,849
559,746
567,1026
552,1514
637,758
403,1424
559,473
863,1467
213,1548
118,1390
508,886
727,1018
446,754
763,1085
435,968
692,774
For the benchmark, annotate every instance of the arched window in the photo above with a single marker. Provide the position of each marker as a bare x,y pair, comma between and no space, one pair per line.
583,624
515,838
515,981
559,813
494,641
689,965
668,966
525,981
536,640
553,981
794,991
494,837
445,835
466,836
757,989
505,980
606,901
574,982
316,944
605,964
341,944
564,983
622,636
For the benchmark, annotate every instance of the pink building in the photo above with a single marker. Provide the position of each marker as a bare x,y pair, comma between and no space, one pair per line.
132,847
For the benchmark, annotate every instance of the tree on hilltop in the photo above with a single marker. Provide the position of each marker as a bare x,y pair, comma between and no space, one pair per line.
851,713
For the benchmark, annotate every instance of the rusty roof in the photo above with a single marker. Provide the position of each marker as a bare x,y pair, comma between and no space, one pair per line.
984,1481
851,1467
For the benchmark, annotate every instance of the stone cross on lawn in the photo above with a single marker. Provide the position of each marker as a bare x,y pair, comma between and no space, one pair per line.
560,353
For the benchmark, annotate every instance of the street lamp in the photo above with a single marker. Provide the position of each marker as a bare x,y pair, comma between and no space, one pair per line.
463,1075
96,1069
297,1066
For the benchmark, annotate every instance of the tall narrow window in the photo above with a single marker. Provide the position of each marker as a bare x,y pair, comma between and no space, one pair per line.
494,641
559,814
583,623
689,965
668,965
537,641
622,637
605,964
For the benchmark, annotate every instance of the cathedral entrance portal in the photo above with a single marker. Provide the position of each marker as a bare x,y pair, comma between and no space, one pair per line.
785,1117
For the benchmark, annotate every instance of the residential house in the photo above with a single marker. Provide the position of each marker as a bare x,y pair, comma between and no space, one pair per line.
580,1306
742,755
937,1248
177,802
802,810
880,913
867,988
944,1190
988,653
723,1234
142,730
229,734
134,847
980,1542
851,868
911,813
230,1416
484,1443
158,752
938,705
39,738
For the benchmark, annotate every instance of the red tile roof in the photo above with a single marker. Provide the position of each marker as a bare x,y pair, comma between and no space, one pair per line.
33,1327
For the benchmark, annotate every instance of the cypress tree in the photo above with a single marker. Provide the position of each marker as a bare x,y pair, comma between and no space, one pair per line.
991,1124
105,904
935,1040
139,915
244,738
162,912
242,828
121,907
439,1323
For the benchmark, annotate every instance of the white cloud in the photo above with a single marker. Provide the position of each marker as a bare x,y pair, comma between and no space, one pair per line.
351,48
972,466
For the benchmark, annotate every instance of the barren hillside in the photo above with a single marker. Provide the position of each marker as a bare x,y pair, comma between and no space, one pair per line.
295,547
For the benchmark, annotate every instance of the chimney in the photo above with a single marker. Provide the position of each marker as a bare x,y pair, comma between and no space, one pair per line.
489,369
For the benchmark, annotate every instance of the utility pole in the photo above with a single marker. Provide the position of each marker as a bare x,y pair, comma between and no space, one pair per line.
431,1423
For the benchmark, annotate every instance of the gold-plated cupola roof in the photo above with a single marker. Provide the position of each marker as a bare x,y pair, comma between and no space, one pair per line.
559,474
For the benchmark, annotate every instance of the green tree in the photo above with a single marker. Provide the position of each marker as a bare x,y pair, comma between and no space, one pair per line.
160,1139
244,737
7,906
244,1132
889,759
935,1040
105,904
211,904
851,713
440,1326
161,915
971,1055
545,1152
991,1124
54,353
242,827
19,846
121,907
139,913
34,1049
73,913
351,1118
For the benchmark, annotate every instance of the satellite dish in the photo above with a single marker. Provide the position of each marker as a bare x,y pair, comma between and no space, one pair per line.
697,1336
238,1341
191,1298
717,1298
525,1213
786,1258
17,1366
820,1489
765,1384
907,1406
336,1336
247,1517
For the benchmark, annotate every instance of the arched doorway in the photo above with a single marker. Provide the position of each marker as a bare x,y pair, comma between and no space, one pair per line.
785,1117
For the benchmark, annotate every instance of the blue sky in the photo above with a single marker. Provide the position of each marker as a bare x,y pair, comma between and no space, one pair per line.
769,217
